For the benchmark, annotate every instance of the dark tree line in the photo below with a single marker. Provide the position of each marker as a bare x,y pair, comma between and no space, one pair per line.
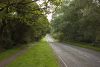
21,22
77,20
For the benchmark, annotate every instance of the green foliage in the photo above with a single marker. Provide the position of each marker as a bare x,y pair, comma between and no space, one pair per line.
21,21
56,2
78,20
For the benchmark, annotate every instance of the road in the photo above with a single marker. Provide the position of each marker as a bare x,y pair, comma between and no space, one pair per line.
73,56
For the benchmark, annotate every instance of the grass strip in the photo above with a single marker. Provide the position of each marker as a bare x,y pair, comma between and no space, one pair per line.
38,55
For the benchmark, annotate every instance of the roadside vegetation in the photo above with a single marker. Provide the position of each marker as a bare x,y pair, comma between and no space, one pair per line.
84,45
21,22
78,21
39,54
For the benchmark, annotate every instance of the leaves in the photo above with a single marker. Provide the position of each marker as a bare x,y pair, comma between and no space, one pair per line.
21,22
77,20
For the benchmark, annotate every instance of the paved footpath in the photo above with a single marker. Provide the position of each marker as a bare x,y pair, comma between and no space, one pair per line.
7,61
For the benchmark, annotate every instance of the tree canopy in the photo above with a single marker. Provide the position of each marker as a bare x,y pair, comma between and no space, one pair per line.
21,22
78,20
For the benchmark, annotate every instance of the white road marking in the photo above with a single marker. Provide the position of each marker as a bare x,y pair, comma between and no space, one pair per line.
60,57
62,61
52,40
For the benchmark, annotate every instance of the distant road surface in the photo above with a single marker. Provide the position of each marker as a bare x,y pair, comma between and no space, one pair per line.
73,56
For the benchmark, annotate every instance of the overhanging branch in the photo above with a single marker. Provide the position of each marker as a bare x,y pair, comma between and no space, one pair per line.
1,9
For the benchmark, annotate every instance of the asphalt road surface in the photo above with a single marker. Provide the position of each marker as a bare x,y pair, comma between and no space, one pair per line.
73,56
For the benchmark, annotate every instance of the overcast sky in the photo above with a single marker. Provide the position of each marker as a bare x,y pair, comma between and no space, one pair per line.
49,16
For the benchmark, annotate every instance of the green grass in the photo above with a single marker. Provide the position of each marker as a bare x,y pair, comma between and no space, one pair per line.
8,53
38,55
84,45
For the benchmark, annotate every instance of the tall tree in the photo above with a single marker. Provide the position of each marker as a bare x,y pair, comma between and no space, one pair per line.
20,22
78,20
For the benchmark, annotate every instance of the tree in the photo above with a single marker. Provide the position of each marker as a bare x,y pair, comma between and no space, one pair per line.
21,21
78,20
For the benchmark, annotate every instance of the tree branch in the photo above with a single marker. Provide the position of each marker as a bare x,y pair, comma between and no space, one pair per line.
1,9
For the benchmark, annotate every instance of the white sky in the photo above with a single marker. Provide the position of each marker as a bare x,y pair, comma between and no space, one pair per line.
49,16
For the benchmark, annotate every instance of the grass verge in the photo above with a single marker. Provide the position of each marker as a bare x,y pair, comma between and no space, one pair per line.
38,55
84,45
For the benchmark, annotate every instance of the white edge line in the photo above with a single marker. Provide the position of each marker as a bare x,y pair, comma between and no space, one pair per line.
63,61
60,58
